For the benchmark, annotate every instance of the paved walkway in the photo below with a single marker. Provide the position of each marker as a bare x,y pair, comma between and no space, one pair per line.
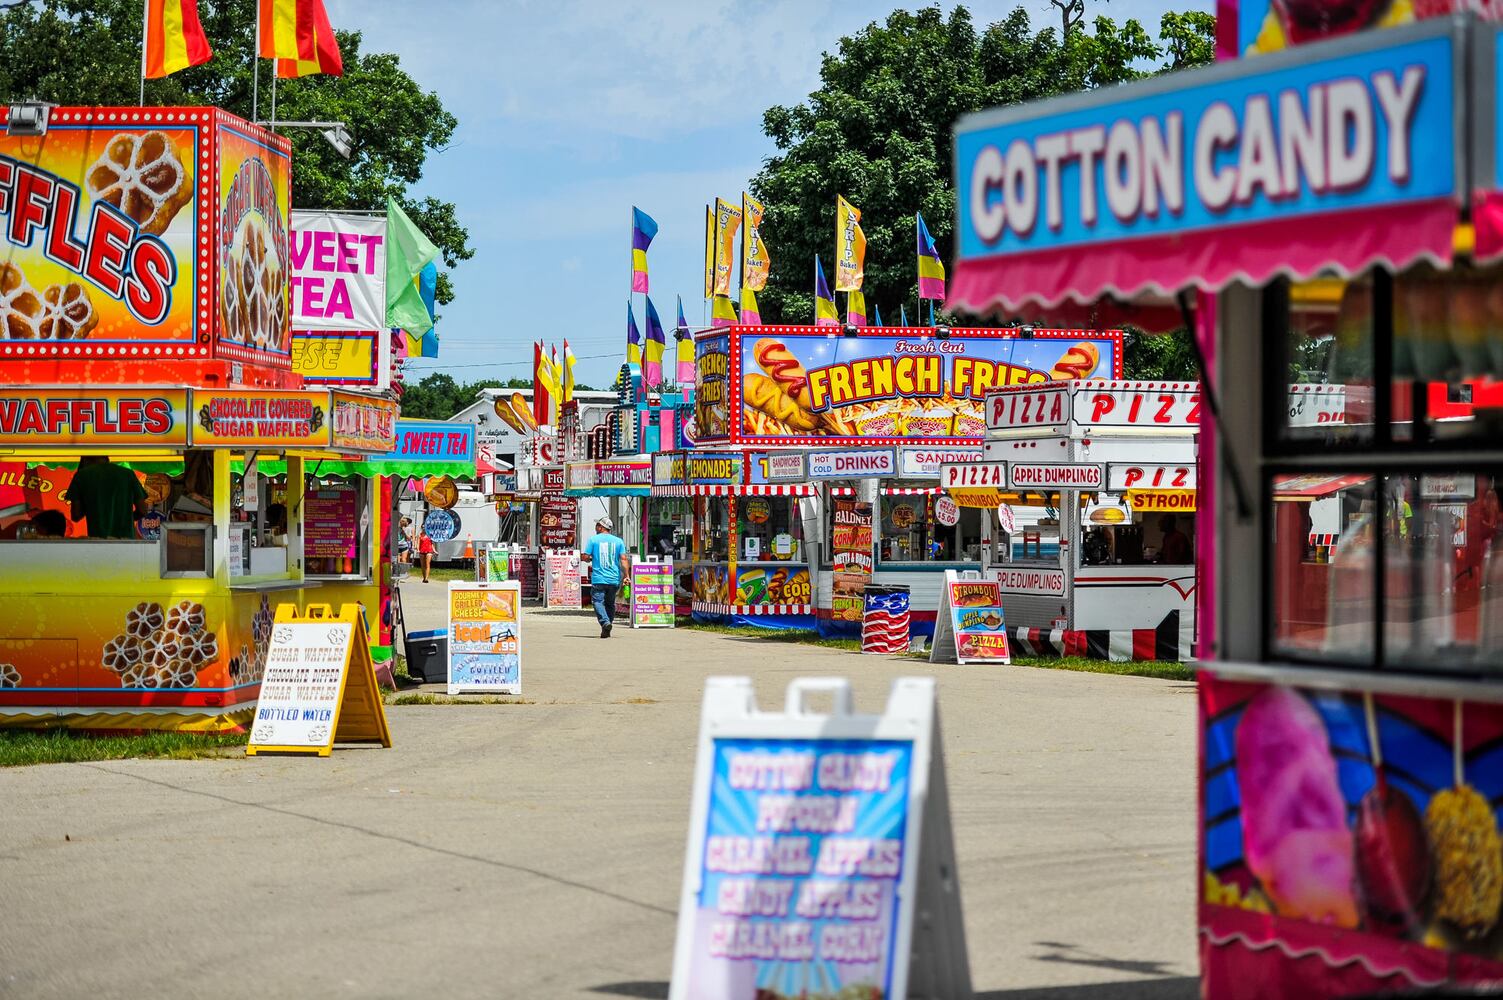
535,850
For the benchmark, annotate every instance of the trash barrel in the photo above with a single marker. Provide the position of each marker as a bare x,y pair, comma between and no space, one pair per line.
428,656
884,619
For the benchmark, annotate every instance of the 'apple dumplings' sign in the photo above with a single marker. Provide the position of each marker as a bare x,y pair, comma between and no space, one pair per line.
793,386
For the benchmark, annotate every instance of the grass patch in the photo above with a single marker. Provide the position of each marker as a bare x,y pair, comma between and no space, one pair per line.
1166,670
440,574
444,699
801,636
23,747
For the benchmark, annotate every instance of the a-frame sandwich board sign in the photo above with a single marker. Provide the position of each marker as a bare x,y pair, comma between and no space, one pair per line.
820,856
971,626
320,686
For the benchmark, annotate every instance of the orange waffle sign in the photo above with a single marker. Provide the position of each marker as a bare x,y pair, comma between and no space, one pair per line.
82,418
267,419
254,265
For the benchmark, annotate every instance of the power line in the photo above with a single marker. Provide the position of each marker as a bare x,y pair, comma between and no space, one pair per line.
508,364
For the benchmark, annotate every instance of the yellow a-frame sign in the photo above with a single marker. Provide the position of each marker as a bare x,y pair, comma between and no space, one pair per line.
320,685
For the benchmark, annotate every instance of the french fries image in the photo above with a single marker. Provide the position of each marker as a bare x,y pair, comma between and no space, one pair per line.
786,375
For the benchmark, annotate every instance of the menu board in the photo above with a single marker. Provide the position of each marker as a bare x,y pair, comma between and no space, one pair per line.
561,580
852,544
331,523
319,686
558,515
652,594
970,626
814,839
485,637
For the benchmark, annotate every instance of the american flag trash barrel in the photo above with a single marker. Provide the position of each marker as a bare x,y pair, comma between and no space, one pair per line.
884,619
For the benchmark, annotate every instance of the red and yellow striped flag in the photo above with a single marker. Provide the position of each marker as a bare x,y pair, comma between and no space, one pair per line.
296,33
174,37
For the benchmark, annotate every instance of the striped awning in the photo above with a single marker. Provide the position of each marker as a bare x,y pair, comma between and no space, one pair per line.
736,490
1318,538
891,491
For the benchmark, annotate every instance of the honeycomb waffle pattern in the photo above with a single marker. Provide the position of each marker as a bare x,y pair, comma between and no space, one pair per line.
142,175
67,313
21,306
161,648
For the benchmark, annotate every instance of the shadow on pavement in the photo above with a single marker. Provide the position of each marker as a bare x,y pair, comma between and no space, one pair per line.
1172,988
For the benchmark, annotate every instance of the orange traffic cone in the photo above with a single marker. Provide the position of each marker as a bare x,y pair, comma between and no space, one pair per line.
469,546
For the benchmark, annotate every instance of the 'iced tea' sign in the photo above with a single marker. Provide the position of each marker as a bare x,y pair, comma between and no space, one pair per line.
814,839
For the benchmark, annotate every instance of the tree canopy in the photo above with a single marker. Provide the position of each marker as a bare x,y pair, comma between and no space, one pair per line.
438,396
878,131
89,52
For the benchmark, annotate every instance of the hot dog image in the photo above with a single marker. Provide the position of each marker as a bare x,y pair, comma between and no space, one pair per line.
784,369
1079,362
523,412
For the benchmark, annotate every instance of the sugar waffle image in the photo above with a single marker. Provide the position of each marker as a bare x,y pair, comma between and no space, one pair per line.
142,175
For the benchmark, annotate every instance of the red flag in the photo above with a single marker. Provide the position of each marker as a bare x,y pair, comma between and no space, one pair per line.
540,383
174,37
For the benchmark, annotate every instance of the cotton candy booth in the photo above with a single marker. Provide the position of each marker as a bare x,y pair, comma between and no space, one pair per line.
143,320
1325,221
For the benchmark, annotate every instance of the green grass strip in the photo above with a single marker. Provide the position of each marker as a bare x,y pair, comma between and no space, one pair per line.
23,747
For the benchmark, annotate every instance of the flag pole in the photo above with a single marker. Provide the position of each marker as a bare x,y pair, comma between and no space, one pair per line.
256,64
145,30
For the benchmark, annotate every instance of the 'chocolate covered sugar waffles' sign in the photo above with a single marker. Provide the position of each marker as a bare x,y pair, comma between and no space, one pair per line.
798,386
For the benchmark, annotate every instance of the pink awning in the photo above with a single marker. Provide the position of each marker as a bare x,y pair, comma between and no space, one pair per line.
1146,273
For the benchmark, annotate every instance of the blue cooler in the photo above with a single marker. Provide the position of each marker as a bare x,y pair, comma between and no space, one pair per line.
428,656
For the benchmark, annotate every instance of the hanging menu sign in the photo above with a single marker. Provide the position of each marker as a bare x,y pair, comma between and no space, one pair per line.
814,840
558,515
320,685
485,637
330,525
652,594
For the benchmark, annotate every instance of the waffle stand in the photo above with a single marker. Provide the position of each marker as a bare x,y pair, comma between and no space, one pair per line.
1326,215
143,319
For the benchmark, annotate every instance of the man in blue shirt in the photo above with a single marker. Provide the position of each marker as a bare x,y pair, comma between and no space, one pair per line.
606,555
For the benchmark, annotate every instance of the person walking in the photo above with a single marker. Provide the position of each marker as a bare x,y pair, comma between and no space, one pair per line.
606,555
425,551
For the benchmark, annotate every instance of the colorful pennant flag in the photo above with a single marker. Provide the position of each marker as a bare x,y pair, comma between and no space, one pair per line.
297,34
825,313
755,263
555,384
174,38
643,229
657,344
750,314
876,315
408,252
855,308
727,221
685,348
722,311
567,395
633,337
931,270
709,251
850,247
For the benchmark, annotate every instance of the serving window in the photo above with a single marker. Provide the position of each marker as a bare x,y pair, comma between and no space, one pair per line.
769,529
1384,537
714,529
336,528
913,531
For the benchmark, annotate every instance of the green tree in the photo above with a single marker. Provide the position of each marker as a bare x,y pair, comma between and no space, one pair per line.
89,52
878,131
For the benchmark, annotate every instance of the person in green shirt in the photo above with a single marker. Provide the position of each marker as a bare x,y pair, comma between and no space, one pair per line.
106,495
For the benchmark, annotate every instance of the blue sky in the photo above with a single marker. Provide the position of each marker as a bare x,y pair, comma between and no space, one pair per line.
572,111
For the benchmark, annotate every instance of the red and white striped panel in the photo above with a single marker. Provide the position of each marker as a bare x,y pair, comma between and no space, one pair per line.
670,491
1322,539
753,609
753,490
891,491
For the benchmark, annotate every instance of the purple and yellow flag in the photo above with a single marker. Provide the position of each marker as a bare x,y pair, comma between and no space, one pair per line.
931,270
685,348
750,314
633,337
722,311
855,308
643,229
850,247
657,343
825,313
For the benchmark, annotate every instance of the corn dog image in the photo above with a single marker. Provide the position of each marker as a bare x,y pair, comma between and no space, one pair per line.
523,412
784,369
764,395
1079,362
508,415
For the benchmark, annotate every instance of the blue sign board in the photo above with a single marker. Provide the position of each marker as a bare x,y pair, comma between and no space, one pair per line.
804,848
1362,122
432,441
